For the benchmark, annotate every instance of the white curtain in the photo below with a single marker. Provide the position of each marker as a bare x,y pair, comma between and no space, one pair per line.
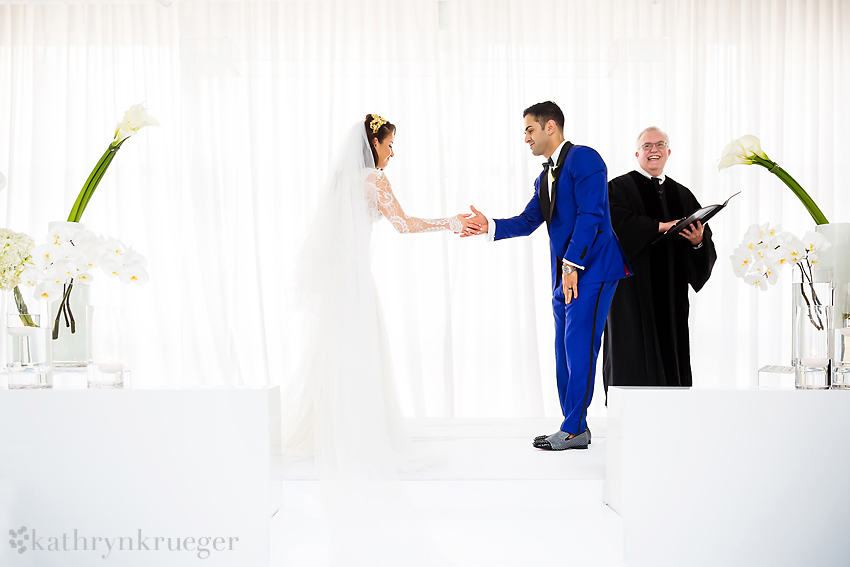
254,96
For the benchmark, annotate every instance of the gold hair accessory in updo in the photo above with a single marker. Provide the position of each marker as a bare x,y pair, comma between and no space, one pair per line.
376,123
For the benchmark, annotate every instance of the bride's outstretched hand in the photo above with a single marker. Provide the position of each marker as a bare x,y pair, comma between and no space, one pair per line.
477,223
465,225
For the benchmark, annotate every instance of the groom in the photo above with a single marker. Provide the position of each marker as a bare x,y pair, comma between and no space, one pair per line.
571,196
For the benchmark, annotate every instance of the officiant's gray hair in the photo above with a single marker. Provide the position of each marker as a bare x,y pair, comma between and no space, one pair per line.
651,129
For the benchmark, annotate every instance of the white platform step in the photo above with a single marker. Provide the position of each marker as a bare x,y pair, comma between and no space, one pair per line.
497,501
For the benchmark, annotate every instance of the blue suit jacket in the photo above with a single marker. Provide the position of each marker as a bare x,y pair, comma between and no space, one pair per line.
580,229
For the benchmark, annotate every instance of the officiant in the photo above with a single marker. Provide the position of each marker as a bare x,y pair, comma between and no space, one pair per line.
646,334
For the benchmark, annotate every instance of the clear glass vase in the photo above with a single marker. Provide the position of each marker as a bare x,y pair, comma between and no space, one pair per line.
841,338
812,337
70,329
29,363
107,368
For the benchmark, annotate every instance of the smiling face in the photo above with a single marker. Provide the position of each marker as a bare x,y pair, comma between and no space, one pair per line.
384,150
653,158
541,140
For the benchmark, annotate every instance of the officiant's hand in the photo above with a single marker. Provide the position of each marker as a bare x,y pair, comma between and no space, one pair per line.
665,226
477,223
570,285
694,235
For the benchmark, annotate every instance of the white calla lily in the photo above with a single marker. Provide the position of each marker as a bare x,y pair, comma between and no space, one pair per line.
135,118
747,150
752,146
741,151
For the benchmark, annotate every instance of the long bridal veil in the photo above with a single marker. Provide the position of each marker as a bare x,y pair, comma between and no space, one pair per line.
341,405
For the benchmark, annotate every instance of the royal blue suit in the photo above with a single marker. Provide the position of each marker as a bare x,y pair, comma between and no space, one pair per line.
580,232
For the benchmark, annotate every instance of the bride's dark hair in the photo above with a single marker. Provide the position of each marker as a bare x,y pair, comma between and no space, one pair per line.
384,130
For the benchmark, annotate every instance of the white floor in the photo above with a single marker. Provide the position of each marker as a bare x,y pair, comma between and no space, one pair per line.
496,501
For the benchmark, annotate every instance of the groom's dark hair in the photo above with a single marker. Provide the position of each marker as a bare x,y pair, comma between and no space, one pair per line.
543,112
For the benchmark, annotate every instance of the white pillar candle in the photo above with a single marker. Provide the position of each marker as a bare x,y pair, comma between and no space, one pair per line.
110,367
23,331
814,361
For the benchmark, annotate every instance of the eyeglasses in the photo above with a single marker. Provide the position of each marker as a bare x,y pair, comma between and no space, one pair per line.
648,146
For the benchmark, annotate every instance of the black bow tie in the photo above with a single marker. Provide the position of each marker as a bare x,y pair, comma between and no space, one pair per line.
548,163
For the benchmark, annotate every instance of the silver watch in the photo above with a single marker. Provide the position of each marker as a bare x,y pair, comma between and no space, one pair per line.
567,269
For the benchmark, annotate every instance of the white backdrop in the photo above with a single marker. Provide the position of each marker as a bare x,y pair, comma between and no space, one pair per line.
253,97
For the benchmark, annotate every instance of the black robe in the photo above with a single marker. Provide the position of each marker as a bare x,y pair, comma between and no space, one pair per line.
646,334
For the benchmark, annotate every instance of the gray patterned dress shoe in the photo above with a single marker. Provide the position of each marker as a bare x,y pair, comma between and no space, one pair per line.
589,437
560,441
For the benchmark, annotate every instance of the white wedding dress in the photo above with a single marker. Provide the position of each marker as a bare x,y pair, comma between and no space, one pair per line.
342,406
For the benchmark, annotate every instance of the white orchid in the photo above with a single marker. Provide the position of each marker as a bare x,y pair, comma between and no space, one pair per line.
133,257
113,251
756,280
770,273
741,262
753,237
72,253
84,277
771,235
29,277
765,251
133,273
111,268
815,242
48,291
60,231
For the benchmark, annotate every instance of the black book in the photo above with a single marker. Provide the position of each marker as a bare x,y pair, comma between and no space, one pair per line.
702,215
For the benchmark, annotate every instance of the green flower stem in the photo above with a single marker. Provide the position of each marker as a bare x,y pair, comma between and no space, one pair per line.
92,182
65,309
94,185
808,202
23,312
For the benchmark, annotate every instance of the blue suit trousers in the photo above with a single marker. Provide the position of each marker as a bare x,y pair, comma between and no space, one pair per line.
578,336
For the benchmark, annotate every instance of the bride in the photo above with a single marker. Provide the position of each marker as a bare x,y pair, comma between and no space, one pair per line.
342,405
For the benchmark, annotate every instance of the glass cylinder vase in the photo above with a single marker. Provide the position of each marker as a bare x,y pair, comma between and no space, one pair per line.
28,349
841,338
70,329
107,367
812,336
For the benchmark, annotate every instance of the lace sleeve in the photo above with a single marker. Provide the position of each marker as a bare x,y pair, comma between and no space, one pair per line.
391,209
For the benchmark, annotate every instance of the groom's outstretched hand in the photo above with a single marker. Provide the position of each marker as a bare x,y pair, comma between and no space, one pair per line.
477,224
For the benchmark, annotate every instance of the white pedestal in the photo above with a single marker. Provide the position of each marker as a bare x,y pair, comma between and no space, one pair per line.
734,477
132,468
